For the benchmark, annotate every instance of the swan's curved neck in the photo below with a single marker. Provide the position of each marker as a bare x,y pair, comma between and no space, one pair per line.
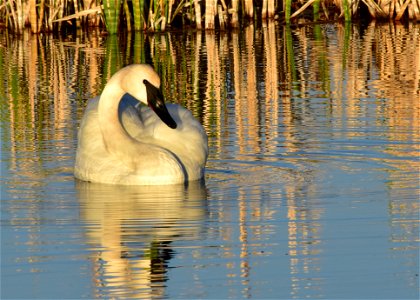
113,132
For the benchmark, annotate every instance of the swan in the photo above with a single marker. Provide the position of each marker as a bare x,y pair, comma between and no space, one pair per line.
121,141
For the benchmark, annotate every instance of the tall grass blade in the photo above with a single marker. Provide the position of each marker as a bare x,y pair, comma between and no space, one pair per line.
32,16
112,12
197,9
347,12
316,10
288,10
138,14
127,14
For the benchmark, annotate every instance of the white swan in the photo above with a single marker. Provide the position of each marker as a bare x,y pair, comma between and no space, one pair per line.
122,142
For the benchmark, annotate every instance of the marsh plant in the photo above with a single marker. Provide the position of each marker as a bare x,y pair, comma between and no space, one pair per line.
159,15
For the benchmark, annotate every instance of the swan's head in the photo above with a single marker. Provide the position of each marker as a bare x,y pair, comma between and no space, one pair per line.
143,83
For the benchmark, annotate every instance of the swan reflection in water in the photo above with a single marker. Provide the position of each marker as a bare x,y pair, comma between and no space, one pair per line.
130,230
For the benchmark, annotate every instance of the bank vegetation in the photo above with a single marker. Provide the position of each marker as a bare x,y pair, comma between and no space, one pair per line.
159,15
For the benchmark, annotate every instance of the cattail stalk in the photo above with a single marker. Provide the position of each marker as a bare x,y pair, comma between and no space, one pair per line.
41,15
20,8
288,10
210,13
112,12
197,9
76,11
268,9
32,16
138,14
127,15
347,13
249,8
316,10
222,17
235,18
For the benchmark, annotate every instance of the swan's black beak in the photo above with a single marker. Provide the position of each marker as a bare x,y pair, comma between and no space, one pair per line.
156,102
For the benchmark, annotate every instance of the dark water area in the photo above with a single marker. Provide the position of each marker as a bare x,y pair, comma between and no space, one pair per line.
311,187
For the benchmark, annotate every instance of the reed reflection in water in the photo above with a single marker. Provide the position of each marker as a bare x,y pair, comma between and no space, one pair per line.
311,186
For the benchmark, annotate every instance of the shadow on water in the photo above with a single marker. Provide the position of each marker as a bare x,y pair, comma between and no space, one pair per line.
311,184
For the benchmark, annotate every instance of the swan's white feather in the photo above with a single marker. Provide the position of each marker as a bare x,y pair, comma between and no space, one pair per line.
153,154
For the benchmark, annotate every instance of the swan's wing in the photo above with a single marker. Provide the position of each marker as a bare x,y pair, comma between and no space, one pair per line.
139,120
188,141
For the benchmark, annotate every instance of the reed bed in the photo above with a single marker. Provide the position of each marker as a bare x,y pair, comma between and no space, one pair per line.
159,15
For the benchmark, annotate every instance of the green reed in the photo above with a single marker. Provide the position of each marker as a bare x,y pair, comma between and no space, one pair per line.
288,10
112,12
138,14
347,12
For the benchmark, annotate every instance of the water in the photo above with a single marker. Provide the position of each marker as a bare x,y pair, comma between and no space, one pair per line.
311,188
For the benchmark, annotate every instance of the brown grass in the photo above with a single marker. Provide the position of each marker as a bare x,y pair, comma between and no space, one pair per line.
159,15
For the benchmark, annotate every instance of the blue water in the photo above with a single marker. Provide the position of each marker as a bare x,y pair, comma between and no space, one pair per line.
311,187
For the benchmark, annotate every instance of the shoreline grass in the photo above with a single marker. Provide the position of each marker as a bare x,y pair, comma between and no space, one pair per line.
114,16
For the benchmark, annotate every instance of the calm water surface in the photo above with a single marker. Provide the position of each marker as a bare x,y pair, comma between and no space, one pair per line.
312,183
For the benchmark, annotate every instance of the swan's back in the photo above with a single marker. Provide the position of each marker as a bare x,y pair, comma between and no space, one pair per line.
188,141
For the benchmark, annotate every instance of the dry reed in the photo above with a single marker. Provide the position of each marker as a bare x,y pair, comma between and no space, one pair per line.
158,15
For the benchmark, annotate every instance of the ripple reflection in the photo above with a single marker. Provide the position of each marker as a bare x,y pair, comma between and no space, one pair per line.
131,229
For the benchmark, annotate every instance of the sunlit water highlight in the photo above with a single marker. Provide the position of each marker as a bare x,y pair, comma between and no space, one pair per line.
312,184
